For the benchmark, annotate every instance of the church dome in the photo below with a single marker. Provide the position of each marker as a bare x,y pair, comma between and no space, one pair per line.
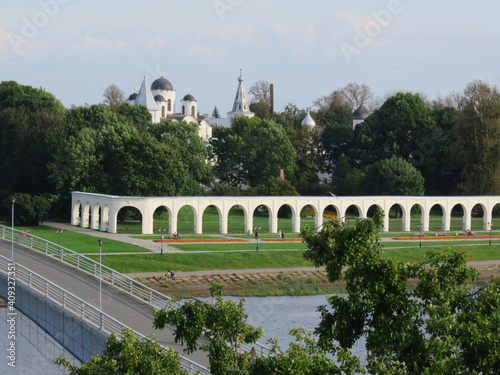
308,120
132,96
159,98
189,98
162,84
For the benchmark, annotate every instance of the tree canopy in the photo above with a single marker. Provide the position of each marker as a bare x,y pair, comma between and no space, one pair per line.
426,329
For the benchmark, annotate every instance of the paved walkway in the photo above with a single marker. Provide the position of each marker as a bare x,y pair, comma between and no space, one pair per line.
126,309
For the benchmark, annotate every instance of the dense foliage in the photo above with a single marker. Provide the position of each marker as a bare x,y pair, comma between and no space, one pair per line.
441,326
404,146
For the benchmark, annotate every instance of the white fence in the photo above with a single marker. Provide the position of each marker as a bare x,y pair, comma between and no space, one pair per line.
110,276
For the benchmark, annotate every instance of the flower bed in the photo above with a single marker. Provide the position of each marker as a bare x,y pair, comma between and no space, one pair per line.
279,239
201,240
417,238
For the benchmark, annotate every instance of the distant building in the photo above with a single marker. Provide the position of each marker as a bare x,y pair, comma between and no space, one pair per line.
240,107
359,115
159,99
308,120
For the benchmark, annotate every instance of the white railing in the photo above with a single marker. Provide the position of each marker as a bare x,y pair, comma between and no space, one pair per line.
109,275
81,262
79,307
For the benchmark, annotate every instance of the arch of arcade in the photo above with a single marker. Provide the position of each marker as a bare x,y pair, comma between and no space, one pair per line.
100,211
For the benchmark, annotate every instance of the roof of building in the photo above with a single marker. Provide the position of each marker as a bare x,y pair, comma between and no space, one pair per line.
360,113
132,96
189,98
162,84
159,98
308,120
240,105
145,97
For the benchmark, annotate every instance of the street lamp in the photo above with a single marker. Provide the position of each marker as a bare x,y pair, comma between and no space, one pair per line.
256,229
421,233
13,200
162,230
490,224
100,273
59,232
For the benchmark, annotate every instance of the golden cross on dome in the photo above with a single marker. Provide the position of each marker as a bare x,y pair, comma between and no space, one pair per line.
162,71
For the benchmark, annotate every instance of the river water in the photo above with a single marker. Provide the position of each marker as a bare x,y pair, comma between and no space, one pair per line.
276,315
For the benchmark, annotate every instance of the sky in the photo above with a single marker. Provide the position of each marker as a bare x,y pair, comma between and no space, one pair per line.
74,49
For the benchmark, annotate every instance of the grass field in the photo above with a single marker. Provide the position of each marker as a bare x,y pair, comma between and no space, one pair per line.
262,259
82,243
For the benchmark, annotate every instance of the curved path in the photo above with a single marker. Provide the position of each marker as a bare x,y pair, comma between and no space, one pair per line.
127,310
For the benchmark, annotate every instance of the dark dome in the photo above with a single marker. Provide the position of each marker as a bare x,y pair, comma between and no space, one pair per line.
189,98
159,98
132,96
162,84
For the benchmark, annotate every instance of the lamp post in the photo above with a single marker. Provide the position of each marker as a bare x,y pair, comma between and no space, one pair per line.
256,229
12,200
162,230
59,232
100,274
490,224
421,233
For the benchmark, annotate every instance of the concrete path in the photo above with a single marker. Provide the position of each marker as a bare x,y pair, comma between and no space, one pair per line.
128,238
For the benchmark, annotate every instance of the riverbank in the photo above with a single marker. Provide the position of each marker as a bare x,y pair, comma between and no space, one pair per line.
263,283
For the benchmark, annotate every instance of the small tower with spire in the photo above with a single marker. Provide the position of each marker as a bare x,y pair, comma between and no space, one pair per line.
240,105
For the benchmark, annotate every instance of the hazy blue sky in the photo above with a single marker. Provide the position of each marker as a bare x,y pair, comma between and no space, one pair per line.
75,48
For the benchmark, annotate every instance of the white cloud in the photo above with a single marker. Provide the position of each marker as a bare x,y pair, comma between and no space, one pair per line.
98,43
154,43
5,41
235,33
204,52
361,22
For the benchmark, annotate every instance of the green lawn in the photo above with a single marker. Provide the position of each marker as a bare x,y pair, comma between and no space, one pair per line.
262,259
82,243
241,246
204,261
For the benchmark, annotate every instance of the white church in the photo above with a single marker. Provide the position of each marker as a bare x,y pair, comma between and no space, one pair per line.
159,99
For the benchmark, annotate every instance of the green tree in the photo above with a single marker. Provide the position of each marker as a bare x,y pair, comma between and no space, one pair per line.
32,128
265,149
303,357
252,151
129,355
135,115
215,113
393,176
113,97
31,210
424,330
274,186
192,152
476,139
116,159
309,160
222,323
291,116
396,128
337,134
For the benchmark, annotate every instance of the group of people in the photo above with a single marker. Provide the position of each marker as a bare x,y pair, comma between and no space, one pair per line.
174,235
281,235
170,275
468,233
